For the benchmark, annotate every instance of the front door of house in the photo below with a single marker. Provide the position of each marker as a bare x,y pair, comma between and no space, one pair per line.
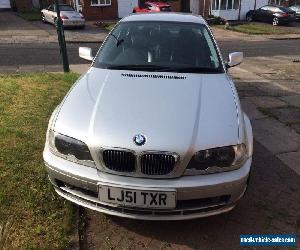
4,4
185,6
125,7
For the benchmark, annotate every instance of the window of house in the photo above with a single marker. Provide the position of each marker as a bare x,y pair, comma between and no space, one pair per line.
229,4
275,2
100,2
236,4
225,4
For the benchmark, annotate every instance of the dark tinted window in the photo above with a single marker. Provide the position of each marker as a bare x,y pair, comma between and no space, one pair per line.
165,8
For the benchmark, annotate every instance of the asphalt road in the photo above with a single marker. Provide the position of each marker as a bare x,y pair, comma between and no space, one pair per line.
48,54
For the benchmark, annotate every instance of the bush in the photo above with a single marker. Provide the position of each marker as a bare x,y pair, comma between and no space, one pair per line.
215,20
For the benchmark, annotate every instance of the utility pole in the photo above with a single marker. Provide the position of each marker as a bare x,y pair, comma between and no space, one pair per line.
61,38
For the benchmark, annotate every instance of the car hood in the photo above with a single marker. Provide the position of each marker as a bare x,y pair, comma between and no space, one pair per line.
176,112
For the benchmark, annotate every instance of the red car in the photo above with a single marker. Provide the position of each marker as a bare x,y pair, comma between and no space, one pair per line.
152,7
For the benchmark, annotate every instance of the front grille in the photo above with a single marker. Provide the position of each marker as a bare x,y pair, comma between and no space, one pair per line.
157,164
118,160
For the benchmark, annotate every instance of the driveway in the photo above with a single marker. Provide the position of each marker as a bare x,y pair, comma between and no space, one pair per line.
90,33
272,202
270,206
14,29
12,26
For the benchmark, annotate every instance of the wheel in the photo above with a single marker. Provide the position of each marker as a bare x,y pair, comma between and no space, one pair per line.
43,18
249,18
275,21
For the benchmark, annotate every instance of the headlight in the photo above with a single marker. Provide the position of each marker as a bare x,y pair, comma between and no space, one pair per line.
217,160
69,148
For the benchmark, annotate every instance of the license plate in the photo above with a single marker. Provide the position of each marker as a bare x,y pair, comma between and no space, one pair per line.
137,198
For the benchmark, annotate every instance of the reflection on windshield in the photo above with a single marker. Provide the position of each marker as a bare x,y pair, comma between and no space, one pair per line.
160,46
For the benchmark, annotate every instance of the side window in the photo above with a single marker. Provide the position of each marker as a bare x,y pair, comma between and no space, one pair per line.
51,8
265,8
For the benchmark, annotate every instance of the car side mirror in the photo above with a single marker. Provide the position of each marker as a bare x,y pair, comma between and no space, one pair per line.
235,59
86,53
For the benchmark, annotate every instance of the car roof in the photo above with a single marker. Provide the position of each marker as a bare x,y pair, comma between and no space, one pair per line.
165,17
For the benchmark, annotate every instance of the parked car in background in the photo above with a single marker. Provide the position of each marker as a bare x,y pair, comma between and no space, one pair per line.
296,8
154,130
152,7
274,14
69,16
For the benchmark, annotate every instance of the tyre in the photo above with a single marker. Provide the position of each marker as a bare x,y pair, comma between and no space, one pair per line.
275,21
249,18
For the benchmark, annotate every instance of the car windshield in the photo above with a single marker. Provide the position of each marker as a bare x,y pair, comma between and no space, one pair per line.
160,46
65,8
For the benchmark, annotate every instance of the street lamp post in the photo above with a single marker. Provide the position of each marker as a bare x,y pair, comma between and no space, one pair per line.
61,39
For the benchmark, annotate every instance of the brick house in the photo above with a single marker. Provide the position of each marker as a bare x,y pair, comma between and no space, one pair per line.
110,9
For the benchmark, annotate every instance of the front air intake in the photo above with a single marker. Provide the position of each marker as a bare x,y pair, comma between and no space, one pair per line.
157,164
118,160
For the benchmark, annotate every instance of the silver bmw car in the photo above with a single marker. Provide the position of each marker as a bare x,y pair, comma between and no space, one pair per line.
154,130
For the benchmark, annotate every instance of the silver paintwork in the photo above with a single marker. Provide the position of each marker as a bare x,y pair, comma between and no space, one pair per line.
235,59
86,53
195,112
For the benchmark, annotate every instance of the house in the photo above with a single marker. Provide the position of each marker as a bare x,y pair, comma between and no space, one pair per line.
110,9
232,9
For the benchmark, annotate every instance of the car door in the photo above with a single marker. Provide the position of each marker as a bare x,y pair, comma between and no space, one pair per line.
261,13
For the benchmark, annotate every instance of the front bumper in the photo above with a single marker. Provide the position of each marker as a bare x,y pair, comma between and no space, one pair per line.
197,196
73,23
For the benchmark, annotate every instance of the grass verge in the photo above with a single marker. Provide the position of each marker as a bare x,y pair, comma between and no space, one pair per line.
259,29
30,16
32,216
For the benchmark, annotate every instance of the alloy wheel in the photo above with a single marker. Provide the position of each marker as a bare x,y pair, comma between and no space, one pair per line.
249,18
275,21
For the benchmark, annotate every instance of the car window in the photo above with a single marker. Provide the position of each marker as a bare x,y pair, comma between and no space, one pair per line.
162,44
51,8
165,8
265,8
66,8
147,6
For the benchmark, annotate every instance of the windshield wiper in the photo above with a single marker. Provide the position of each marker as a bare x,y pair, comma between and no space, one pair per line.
193,70
157,68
